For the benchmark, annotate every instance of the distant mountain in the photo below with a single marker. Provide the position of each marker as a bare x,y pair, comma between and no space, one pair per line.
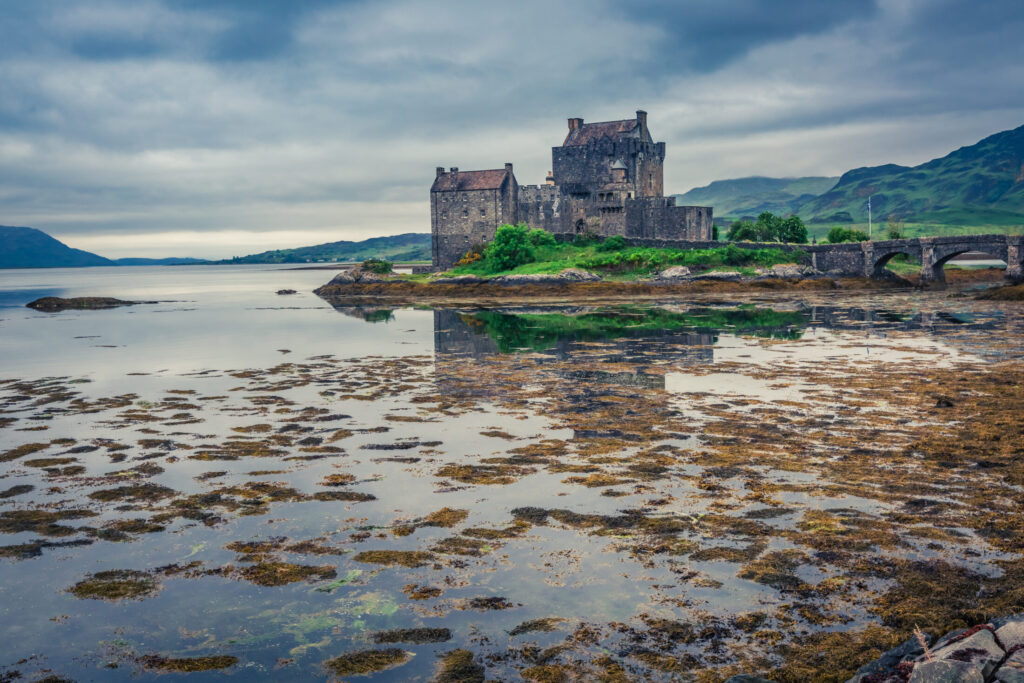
172,261
747,197
31,248
982,184
979,184
411,246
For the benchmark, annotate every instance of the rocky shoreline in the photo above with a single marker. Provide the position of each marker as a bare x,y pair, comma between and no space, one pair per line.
357,283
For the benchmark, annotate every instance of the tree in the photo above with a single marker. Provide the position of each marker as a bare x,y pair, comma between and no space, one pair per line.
741,231
793,230
840,234
510,248
768,228
895,226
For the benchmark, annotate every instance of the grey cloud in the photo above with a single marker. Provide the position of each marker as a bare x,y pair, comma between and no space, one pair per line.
122,115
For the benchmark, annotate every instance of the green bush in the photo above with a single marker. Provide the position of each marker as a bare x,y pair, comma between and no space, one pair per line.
613,243
510,248
769,228
840,234
376,265
643,259
541,238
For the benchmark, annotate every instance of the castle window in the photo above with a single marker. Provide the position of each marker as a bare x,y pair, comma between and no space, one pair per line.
465,213
483,212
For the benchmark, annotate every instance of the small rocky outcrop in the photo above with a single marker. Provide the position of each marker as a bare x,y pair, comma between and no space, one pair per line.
358,275
674,273
53,304
719,276
986,653
285,292
791,271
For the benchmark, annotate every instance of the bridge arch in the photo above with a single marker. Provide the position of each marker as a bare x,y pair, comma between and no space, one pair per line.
884,251
943,253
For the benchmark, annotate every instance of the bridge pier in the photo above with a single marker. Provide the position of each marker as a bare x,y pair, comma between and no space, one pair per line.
930,274
1014,259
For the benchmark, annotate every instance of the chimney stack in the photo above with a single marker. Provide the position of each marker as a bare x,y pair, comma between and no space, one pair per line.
508,167
440,171
574,124
641,119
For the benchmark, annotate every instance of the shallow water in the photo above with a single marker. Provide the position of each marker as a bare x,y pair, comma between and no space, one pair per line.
675,488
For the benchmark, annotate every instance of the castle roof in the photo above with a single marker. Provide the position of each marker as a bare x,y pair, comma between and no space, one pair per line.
469,180
592,132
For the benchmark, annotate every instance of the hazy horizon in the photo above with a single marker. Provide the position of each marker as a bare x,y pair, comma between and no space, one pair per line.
214,129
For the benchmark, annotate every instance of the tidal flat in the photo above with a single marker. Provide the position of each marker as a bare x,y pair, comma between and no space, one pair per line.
775,483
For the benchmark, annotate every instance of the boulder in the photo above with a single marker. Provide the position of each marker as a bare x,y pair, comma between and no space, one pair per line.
978,649
946,671
719,276
345,277
788,271
1012,670
887,663
368,277
1011,632
674,273
747,678
578,275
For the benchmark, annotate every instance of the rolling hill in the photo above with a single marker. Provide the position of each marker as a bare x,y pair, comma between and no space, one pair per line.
981,184
410,246
31,248
750,196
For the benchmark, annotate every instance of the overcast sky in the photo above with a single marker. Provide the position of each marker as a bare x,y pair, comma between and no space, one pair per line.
223,127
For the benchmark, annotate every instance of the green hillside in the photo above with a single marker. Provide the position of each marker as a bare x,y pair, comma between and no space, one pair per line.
31,248
975,185
979,186
411,246
748,197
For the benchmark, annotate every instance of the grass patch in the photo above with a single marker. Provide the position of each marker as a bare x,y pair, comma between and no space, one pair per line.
631,261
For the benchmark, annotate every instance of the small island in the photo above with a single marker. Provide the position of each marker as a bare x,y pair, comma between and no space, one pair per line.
521,262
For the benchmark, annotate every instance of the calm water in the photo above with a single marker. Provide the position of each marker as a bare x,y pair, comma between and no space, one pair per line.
279,480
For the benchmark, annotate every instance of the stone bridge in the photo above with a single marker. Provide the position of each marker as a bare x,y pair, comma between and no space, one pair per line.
868,259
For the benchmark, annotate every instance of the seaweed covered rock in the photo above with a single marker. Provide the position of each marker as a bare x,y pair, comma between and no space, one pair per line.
54,304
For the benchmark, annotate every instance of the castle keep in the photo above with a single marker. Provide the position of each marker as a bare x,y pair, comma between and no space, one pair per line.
606,178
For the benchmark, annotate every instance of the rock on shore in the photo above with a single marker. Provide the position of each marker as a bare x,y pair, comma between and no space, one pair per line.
987,652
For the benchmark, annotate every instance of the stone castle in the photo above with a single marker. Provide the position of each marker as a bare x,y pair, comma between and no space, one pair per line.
606,178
